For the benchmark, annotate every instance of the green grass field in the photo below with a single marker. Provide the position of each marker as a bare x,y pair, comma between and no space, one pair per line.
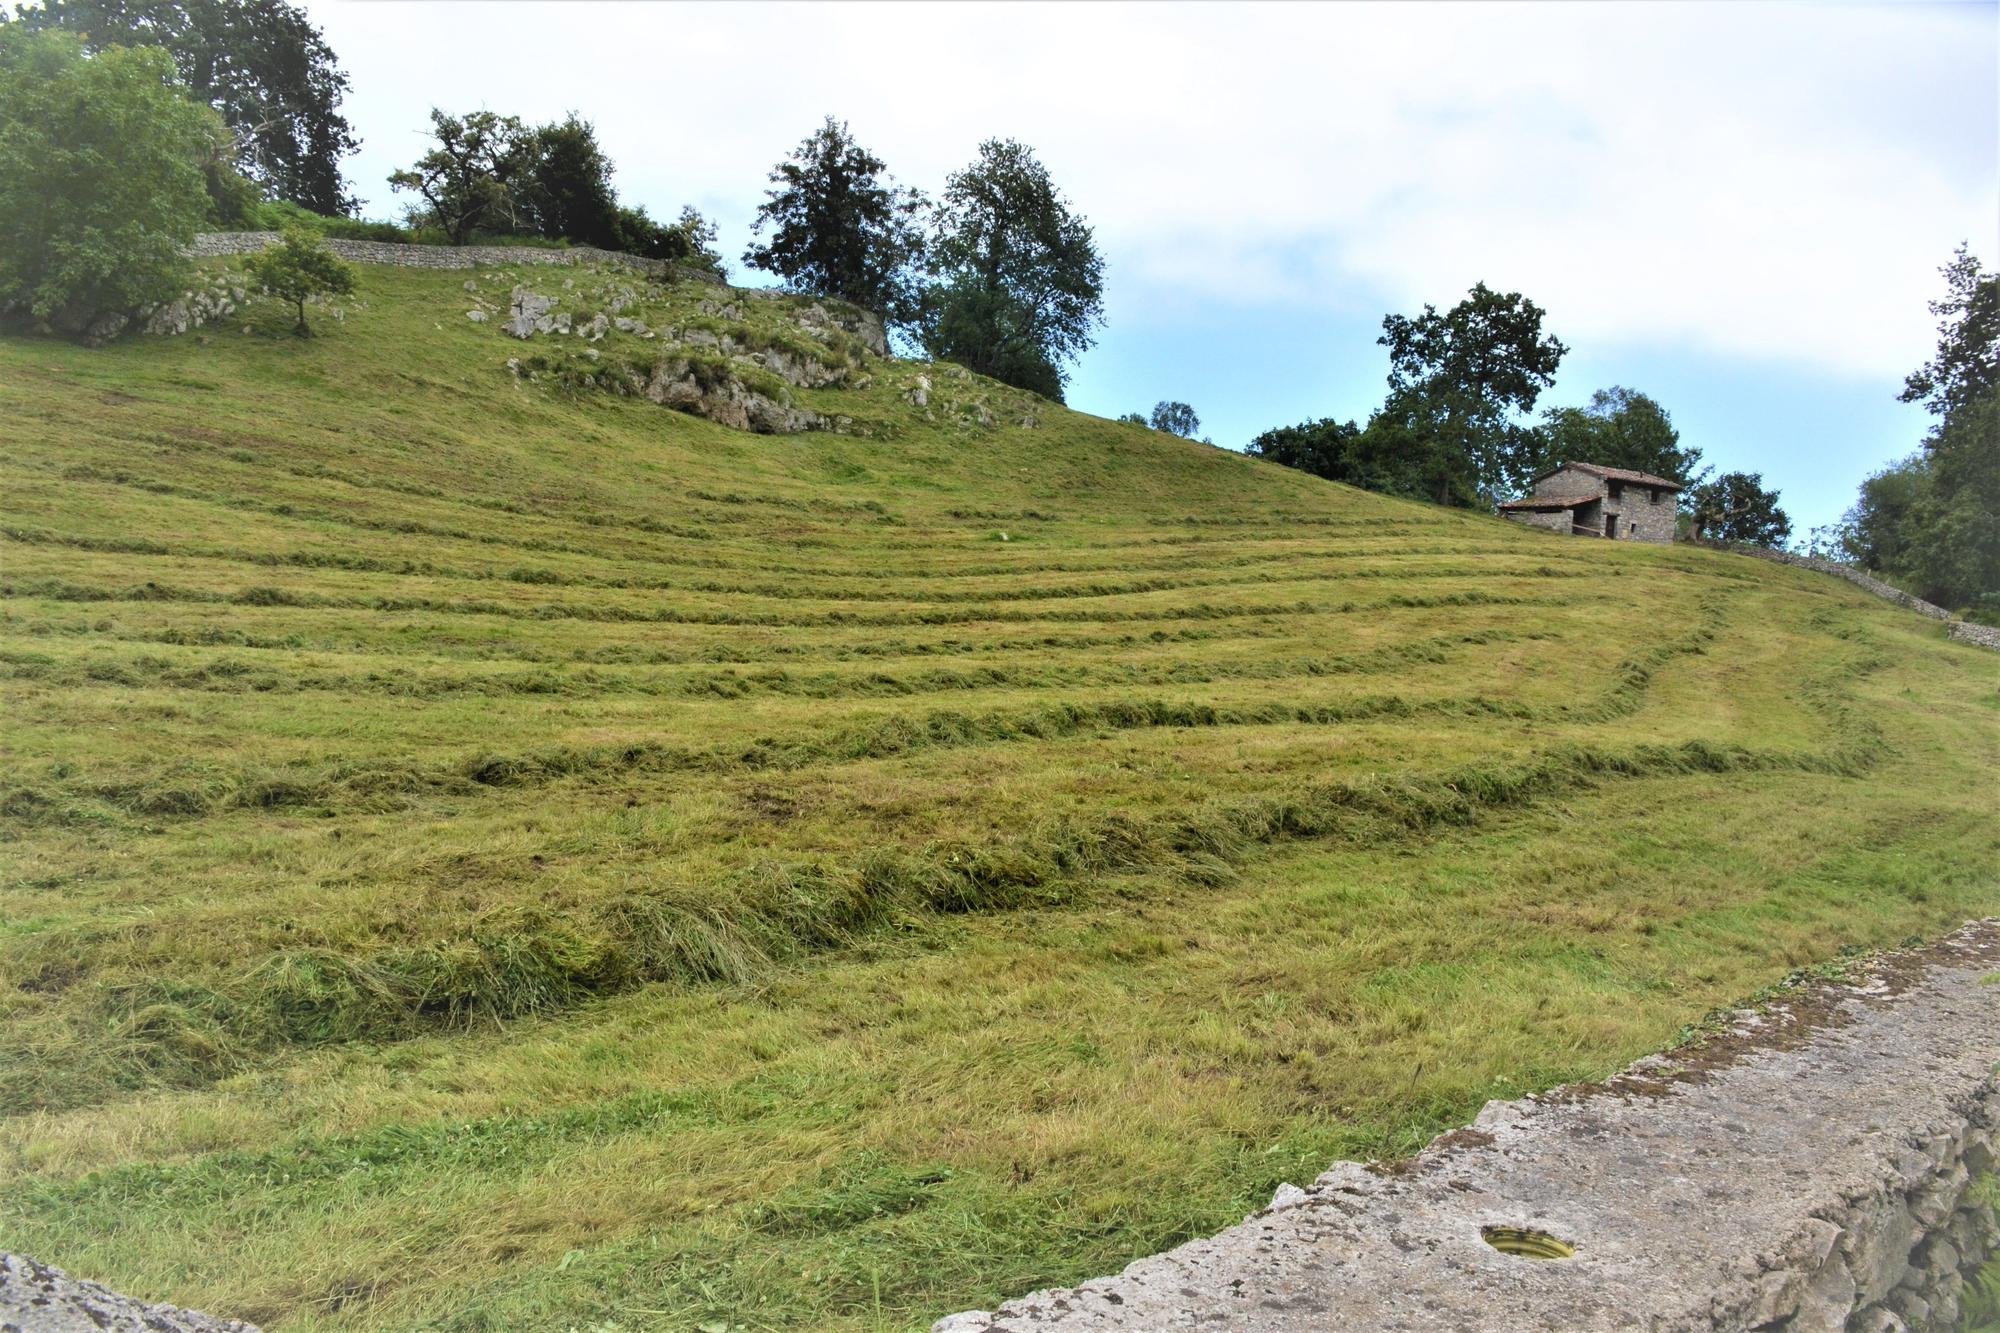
480,854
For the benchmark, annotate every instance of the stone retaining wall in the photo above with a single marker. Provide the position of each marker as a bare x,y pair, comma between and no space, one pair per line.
214,244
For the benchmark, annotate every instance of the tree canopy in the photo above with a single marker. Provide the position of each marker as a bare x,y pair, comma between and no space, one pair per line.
101,179
1022,286
1735,507
563,189
1967,365
1175,419
1619,428
261,64
1932,521
840,227
1457,383
468,180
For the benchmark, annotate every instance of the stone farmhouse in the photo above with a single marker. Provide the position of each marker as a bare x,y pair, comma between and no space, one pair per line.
1593,501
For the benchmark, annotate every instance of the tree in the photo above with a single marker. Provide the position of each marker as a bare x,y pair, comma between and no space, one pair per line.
1877,530
988,331
260,64
1456,383
468,181
1932,522
840,228
1175,419
100,178
1620,428
1324,448
1967,365
563,190
299,268
1023,284
1735,507
1954,557
1135,419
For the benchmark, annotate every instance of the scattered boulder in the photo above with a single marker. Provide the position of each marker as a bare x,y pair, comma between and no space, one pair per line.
530,314
595,329
921,393
476,316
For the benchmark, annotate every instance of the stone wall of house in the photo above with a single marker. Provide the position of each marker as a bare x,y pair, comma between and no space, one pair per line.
1555,520
1643,518
214,244
1567,481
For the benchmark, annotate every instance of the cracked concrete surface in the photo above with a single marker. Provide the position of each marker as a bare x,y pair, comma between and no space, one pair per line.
1804,1169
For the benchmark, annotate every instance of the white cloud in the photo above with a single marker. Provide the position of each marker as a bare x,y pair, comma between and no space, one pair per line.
1765,181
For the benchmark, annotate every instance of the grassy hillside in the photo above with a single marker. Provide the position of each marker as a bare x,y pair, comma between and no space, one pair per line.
485,852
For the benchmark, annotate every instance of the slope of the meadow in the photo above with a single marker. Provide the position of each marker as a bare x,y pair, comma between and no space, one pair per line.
481,854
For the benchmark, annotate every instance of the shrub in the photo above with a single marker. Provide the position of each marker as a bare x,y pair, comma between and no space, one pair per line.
101,179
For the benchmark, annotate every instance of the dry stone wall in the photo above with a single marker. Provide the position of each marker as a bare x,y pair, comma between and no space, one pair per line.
216,244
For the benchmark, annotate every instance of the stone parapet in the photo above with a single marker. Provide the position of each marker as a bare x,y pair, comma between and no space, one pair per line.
1807,1167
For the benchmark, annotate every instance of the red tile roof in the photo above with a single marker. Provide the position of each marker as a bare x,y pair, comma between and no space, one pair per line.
1615,474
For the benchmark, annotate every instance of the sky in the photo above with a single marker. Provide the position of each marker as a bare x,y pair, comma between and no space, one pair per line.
1739,209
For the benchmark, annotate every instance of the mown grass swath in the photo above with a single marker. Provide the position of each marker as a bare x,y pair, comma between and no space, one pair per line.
481,852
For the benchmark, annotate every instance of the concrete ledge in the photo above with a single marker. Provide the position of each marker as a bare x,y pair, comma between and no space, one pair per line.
35,1298
1806,1169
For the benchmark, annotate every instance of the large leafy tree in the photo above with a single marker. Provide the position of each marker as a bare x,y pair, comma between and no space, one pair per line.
841,227
100,177
1619,428
1967,365
1022,286
260,63
470,180
1735,507
1932,522
564,187
1458,383
1175,419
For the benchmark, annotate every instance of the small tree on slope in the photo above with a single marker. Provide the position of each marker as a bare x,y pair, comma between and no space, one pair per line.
298,269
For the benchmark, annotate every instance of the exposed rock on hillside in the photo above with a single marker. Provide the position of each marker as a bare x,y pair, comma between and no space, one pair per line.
720,359
217,298
678,382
